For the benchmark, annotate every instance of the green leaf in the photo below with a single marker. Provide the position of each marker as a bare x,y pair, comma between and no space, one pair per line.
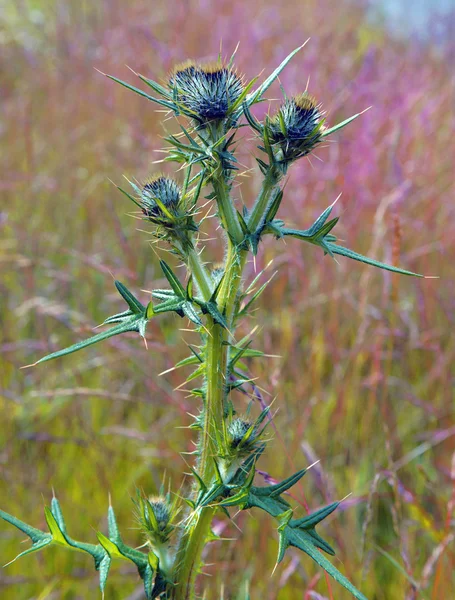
121,328
319,234
36,535
243,224
133,319
54,528
156,87
173,280
369,261
39,539
211,308
192,315
279,488
243,95
130,197
102,553
274,206
110,547
163,294
136,90
259,92
254,297
342,124
254,123
298,539
316,517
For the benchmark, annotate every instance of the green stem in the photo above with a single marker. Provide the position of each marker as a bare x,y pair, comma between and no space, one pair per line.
226,209
194,538
201,277
259,210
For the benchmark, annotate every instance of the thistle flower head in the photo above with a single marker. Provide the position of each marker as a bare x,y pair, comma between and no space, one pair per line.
155,516
160,190
296,128
206,92
242,437
237,430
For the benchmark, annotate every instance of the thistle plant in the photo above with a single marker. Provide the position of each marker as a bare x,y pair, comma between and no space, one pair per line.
211,102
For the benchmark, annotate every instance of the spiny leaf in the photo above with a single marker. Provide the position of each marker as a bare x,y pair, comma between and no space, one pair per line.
192,315
369,261
211,308
243,95
36,535
280,488
172,278
254,297
141,93
298,539
259,92
133,319
274,206
316,517
39,539
156,87
163,294
189,360
342,124
137,307
120,328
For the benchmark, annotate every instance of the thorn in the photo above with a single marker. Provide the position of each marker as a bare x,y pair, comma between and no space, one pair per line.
347,496
315,463
336,199
166,371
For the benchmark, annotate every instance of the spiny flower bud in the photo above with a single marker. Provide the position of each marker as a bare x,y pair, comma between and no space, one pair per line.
237,431
155,515
296,128
205,91
160,189
161,510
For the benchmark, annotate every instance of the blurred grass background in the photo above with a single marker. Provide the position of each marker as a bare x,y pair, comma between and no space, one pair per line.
365,382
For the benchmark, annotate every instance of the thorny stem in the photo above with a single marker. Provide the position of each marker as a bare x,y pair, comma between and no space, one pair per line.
201,277
226,209
259,210
194,538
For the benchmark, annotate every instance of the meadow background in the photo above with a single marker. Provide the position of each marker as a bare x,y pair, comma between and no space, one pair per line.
365,378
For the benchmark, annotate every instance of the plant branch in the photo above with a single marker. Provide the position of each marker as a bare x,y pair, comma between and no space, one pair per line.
265,197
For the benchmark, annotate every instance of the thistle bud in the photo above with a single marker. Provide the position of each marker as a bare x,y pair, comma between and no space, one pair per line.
296,128
160,190
242,434
206,92
155,516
